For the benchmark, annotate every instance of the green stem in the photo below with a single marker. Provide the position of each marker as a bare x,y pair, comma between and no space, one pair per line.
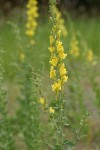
44,143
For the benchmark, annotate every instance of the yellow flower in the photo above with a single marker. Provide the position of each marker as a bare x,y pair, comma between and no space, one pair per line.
62,55
52,72
59,33
30,32
51,49
31,25
56,87
90,55
42,101
59,46
62,70
51,40
51,110
54,61
64,79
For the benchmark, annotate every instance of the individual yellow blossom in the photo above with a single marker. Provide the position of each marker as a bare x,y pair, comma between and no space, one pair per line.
56,87
64,79
58,42
51,49
42,101
62,70
62,55
30,32
22,56
74,47
54,61
52,72
33,11
51,110
60,50
51,40
59,46
33,24
90,55
30,3
59,33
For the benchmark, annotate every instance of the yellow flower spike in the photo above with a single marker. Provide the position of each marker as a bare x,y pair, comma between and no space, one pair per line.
32,15
51,110
57,70
52,73
54,61
42,101
62,70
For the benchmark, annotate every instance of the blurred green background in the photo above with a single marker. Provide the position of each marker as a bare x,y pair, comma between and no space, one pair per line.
85,17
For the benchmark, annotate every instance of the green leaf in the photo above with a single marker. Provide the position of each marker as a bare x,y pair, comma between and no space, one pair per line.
57,147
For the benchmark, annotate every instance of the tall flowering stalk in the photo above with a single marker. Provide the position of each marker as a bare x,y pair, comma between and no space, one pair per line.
32,15
57,71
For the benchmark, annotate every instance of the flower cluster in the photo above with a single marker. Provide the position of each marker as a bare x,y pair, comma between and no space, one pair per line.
32,15
74,47
60,21
57,71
